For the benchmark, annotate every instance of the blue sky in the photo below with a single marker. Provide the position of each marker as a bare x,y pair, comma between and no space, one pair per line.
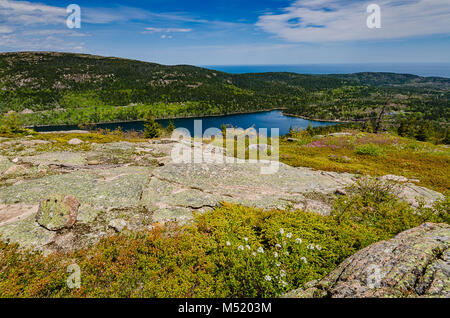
234,32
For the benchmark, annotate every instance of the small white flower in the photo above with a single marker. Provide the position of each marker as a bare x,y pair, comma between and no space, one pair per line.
254,254
310,246
275,254
228,243
268,278
287,253
319,247
248,247
245,239
282,273
241,248
289,235
261,250
299,241
281,231
304,260
283,283
278,264
278,246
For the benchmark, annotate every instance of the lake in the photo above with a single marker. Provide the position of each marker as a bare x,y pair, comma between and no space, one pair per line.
268,119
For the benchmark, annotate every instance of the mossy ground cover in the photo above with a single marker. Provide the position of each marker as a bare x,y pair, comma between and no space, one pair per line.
371,154
232,251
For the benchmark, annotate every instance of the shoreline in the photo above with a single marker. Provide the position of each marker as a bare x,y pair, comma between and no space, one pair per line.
161,118
322,120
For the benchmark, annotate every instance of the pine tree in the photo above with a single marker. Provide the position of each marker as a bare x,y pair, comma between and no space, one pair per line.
402,130
291,131
151,128
309,130
224,130
170,128
423,133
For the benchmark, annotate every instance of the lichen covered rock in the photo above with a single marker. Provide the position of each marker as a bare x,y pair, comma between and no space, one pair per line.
415,263
57,212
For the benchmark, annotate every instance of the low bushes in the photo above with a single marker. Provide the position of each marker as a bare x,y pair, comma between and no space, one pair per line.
232,251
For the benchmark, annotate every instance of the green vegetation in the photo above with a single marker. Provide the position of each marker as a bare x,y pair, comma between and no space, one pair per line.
368,154
170,127
151,128
62,88
233,251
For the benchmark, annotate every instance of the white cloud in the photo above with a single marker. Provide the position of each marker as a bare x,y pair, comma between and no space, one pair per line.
6,29
338,20
27,13
151,30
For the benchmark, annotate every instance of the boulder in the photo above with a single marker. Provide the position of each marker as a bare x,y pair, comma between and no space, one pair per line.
57,212
15,170
260,147
415,263
75,141
117,225
340,134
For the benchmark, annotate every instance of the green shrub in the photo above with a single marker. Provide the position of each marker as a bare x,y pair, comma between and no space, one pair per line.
369,150
232,251
151,128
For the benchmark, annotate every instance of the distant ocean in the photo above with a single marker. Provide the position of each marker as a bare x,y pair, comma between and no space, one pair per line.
431,69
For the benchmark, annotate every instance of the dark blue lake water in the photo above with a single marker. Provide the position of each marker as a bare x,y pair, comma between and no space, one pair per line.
270,119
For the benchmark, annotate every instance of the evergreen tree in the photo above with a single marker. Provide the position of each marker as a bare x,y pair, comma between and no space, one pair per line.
367,126
402,130
170,127
423,132
309,130
224,130
151,128
291,131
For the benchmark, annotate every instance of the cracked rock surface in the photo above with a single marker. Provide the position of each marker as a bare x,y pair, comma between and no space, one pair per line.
139,184
415,263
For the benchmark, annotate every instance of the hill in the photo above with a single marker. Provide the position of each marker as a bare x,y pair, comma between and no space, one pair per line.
66,88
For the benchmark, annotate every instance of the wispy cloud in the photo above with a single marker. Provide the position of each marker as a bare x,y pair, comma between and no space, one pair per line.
339,20
150,30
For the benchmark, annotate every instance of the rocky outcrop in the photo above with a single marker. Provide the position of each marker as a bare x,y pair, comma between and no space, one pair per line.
415,263
57,212
141,185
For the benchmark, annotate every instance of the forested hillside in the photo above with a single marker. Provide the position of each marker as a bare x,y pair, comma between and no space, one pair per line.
64,88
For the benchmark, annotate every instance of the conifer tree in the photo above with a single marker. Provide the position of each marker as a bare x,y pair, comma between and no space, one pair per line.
151,128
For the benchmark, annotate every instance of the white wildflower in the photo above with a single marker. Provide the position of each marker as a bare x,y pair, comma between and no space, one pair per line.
241,248
254,254
261,250
281,231
289,235
304,260
228,243
319,247
268,278
287,253
278,246
299,241
246,239
248,247
283,283
278,264
275,254
282,273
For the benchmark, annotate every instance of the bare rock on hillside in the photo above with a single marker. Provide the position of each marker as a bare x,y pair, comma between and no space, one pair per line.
415,263
57,212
